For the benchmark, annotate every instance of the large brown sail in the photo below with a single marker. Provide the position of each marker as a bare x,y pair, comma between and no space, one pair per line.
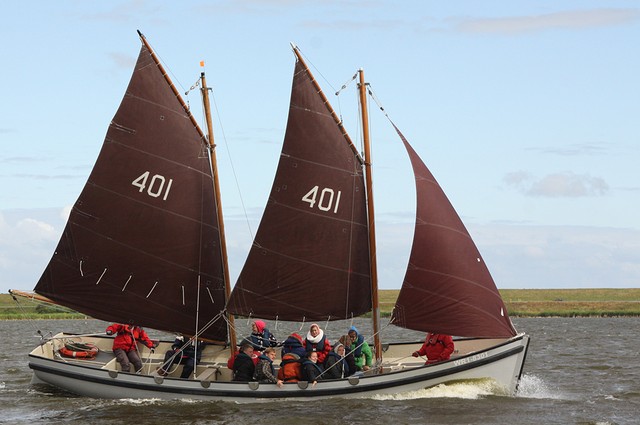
310,256
447,287
142,243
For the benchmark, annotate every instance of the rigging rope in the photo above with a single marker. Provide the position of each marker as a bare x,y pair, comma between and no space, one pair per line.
365,341
31,322
345,85
233,169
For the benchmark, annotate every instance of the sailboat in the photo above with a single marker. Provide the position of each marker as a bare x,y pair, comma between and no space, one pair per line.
145,244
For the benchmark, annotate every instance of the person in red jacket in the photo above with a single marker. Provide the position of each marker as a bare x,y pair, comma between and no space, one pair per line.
125,345
437,348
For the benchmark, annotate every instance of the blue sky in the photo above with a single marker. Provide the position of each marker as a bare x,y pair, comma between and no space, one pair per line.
526,112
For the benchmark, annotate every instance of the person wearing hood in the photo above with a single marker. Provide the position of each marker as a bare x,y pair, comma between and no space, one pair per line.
261,337
437,348
318,342
335,366
294,344
360,348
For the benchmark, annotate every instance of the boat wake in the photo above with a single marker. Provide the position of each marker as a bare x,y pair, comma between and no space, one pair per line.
532,386
471,390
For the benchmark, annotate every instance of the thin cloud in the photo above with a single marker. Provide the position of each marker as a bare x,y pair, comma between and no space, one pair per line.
577,149
125,13
560,256
557,185
46,176
344,24
630,188
574,19
122,61
20,160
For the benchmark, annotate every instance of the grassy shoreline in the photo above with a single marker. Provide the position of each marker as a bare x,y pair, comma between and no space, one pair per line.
520,303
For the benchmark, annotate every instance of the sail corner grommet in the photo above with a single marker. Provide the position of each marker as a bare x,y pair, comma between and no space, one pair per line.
254,385
303,385
113,373
354,380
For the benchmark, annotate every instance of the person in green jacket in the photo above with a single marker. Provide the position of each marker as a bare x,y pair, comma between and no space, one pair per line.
360,349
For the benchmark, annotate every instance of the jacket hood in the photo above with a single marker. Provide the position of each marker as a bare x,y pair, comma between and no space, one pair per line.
296,336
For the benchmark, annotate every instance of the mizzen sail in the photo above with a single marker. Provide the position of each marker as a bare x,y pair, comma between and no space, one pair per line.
447,287
310,255
142,243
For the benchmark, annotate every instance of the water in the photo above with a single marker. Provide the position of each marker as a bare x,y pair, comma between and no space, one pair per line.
578,371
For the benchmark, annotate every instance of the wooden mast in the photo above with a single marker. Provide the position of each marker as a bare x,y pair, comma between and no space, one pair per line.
214,167
371,217
369,182
216,185
335,117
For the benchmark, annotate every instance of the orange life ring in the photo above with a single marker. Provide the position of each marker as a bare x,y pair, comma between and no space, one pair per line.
79,351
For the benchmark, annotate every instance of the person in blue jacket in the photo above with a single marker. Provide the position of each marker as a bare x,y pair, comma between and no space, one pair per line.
294,344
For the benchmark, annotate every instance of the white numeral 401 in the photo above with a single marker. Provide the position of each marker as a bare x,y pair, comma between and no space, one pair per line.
326,199
156,185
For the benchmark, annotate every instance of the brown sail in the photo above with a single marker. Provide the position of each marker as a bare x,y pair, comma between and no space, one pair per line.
142,243
310,256
447,287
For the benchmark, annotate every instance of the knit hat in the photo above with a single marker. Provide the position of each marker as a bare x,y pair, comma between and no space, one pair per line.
260,325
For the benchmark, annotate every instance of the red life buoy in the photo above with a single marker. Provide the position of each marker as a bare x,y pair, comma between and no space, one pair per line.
79,351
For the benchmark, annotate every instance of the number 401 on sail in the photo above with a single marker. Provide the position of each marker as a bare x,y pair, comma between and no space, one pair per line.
156,185
325,203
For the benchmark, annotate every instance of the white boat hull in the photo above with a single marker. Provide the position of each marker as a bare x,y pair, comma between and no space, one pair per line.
502,363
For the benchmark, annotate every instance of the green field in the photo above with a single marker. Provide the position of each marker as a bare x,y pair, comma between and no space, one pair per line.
28,309
557,302
520,303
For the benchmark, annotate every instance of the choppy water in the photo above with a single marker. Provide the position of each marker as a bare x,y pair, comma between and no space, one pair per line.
578,371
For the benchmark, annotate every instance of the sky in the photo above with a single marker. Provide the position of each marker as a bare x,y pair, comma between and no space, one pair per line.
526,112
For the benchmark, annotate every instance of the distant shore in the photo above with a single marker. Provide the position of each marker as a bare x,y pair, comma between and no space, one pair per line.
520,303
590,302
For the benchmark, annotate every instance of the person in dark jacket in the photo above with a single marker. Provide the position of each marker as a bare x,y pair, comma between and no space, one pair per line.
261,337
243,366
183,353
437,348
125,344
335,366
311,370
294,344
